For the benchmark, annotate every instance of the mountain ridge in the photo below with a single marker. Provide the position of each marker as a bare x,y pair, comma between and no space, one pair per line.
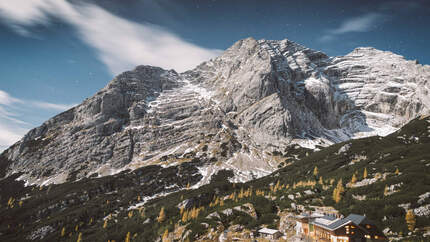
257,96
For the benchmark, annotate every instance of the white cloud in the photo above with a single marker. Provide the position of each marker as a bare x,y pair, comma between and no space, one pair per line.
12,109
121,44
51,106
362,23
6,99
359,24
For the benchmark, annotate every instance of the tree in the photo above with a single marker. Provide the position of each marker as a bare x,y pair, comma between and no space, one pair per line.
185,216
165,236
63,231
79,237
336,195
353,179
397,172
365,173
340,186
105,224
321,182
337,192
316,171
386,190
127,237
410,220
161,216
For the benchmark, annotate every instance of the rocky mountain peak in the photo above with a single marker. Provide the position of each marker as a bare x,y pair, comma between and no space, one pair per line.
227,113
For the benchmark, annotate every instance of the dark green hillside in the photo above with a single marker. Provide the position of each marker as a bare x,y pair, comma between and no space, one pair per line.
398,172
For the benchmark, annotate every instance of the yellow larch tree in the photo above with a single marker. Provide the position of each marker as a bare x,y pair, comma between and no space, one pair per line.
161,215
353,179
105,224
386,190
185,216
337,192
410,220
165,237
397,172
79,237
127,237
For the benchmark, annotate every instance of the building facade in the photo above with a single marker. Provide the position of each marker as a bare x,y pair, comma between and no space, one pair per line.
354,228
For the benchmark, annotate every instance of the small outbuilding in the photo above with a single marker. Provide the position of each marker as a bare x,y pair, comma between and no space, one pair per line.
271,234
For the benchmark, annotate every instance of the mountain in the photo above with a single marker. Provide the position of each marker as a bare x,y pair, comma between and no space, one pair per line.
239,111
129,204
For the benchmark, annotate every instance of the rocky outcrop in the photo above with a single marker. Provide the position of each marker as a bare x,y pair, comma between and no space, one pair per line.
258,96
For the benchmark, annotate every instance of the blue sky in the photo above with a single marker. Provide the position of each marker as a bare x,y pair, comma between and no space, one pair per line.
55,53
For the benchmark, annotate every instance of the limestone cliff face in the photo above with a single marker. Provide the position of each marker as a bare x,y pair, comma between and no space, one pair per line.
258,96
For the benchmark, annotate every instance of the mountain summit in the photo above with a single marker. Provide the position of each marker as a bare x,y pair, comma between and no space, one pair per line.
234,112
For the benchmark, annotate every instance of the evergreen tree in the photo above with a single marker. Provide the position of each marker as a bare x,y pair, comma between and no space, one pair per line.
365,173
63,231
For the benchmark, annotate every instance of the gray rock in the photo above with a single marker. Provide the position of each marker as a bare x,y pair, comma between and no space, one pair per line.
262,95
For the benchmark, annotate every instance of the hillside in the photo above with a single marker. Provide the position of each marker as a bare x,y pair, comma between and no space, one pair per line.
114,207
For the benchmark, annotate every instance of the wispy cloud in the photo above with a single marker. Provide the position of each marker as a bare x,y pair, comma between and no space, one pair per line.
120,43
362,23
51,106
12,111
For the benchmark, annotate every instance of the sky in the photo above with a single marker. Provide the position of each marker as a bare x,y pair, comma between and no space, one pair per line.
56,53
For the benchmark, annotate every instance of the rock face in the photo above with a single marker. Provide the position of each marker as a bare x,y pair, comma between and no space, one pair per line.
257,96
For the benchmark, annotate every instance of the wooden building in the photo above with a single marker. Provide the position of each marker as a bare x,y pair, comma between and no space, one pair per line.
354,228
